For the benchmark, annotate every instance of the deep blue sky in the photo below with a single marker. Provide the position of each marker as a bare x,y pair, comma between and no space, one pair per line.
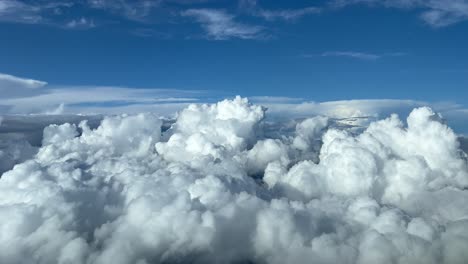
341,50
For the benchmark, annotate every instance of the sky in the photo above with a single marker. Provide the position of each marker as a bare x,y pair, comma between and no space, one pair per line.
312,50
123,140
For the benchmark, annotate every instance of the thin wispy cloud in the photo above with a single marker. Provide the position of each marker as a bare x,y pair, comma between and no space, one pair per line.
252,7
25,96
352,54
287,14
134,10
19,12
436,13
44,13
220,25
355,55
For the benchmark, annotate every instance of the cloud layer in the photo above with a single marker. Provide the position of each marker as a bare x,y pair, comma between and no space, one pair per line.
222,185
29,96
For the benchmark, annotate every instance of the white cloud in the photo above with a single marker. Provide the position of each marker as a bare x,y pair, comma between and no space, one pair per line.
126,192
12,86
7,80
88,100
275,99
343,108
27,96
57,111
361,112
220,25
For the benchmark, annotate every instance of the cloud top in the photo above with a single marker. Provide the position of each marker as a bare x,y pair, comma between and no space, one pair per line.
219,187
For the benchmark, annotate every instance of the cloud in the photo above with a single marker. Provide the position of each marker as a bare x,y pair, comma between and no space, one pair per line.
352,113
358,55
27,12
287,14
275,99
12,86
346,113
436,13
219,25
252,7
19,83
19,12
355,55
28,96
128,191
351,54
81,23
87,100
46,13
137,10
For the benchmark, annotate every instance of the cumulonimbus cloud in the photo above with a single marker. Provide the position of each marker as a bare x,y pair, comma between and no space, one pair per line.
223,185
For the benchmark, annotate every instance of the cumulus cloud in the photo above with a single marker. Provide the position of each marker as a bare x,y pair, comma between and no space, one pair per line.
21,136
216,187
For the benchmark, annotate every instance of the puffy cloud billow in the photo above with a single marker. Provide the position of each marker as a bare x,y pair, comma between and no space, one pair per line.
220,187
